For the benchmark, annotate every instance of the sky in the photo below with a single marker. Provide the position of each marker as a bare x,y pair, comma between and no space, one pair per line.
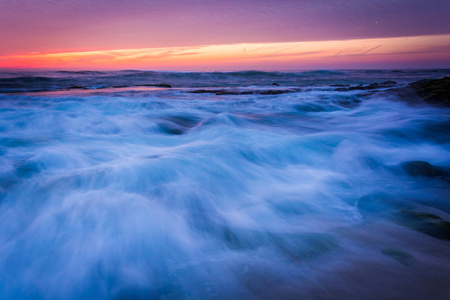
224,35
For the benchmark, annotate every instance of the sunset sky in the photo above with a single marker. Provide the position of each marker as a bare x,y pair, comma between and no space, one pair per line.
224,35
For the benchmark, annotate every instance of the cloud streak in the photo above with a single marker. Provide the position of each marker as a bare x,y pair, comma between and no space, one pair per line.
381,53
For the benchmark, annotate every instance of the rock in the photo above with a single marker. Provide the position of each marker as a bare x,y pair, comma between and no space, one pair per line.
428,224
357,87
372,86
340,85
435,91
243,92
399,255
432,91
421,168
162,85
341,89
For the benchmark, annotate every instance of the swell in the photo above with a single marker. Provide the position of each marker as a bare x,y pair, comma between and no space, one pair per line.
169,194
19,82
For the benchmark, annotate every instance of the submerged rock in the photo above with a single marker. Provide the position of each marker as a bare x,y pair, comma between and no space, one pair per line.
426,223
399,255
421,168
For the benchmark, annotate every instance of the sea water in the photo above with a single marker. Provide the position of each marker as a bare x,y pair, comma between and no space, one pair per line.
222,185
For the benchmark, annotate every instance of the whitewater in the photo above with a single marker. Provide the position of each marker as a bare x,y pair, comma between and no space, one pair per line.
222,185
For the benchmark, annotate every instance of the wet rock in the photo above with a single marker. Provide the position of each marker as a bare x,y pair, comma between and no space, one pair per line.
399,255
432,91
359,87
425,223
274,92
421,168
372,86
162,85
340,85
243,92
435,91
341,89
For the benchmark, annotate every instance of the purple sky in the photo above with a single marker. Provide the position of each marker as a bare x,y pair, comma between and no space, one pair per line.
81,32
45,25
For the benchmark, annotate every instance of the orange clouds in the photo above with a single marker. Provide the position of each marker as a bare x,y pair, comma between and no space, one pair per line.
419,51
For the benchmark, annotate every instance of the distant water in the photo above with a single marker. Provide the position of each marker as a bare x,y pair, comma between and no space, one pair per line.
222,185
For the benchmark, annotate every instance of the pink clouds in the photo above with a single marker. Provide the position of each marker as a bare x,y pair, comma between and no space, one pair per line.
419,51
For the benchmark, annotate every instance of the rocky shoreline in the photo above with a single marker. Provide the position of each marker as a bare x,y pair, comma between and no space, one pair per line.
432,91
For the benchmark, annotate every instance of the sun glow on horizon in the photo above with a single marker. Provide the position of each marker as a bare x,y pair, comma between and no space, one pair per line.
359,53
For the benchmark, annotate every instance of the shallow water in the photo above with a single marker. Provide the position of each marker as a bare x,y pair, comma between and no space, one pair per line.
136,193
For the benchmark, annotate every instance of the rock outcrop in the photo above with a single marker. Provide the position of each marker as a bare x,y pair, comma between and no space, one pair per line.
432,91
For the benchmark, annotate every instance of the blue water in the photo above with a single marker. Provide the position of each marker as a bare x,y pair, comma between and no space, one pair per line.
221,187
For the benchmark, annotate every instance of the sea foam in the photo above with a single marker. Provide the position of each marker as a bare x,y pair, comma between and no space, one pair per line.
166,194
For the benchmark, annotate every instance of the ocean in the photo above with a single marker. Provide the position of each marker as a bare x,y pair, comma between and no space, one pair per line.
222,185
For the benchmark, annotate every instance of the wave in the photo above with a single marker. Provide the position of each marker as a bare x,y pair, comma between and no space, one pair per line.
18,82
162,193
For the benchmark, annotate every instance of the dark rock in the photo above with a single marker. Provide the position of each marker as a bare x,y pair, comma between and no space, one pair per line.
162,85
235,93
373,86
357,87
399,255
274,92
421,168
238,92
348,103
435,91
432,91
428,224
276,84
341,89
203,91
